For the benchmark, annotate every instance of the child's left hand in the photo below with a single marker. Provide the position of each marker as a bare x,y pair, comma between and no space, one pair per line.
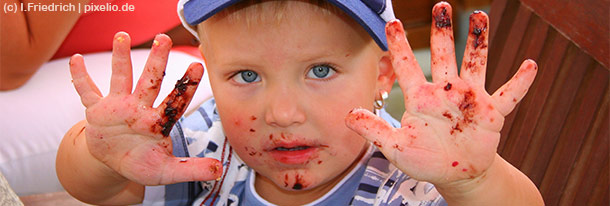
451,127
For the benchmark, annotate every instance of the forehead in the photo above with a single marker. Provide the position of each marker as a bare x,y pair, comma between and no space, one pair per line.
285,26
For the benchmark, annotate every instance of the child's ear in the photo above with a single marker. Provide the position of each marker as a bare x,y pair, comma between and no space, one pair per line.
386,77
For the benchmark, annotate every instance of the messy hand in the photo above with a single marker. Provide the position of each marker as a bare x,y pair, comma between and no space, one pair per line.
125,131
451,127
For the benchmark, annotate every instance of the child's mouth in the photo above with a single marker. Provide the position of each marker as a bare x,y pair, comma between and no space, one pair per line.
293,155
292,148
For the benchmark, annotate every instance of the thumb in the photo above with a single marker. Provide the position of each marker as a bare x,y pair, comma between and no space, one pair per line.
370,126
184,169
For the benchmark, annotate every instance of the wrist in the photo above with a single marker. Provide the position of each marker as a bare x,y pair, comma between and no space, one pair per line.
466,190
500,184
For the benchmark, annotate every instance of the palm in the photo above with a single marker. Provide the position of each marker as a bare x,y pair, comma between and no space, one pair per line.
125,132
451,127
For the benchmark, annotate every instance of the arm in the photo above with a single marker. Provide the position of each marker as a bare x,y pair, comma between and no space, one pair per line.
30,38
451,126
124,143
92,181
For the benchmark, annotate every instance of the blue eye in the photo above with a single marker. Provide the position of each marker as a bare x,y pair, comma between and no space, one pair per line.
246,77
320,72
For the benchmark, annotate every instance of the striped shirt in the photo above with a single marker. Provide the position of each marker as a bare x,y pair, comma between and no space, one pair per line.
374,181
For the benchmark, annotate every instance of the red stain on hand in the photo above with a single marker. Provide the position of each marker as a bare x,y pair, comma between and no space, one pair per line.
448,87
449,116
253,118
467,107
376,143
214,168
396,146
454,164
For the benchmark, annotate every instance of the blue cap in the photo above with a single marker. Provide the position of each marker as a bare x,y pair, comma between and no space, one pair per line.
371,14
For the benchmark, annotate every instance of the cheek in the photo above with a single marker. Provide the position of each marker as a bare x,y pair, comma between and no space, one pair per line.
242,133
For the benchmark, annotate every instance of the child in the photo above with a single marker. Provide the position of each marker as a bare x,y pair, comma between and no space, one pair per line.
287,76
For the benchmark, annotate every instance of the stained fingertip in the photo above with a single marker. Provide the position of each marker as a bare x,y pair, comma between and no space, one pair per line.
394,29
532,64
197,69
121,37
162,39
479,23
442,15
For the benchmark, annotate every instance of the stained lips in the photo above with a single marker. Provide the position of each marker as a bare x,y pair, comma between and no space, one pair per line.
294,155
290,149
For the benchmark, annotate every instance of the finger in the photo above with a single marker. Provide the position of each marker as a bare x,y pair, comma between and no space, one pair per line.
184,169
405,65
86,88
122,79
442,49
370,126
475,55
176,102
515,89
149,84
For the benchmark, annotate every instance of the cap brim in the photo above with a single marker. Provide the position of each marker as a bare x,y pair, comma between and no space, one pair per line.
367,18
196,12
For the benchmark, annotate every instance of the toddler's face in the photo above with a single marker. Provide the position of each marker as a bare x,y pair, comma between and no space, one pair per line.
283,91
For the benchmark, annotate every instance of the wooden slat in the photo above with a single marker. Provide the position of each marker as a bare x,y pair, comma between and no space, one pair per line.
516,143
585,22
534,165
600,191
498,7
577,125
506,64
501,20
590,161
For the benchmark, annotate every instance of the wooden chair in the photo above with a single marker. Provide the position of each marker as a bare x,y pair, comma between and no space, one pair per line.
558,135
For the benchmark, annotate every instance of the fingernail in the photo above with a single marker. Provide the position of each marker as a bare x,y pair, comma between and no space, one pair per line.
393,30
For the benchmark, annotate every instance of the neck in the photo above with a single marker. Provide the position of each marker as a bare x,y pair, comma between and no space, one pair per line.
279,196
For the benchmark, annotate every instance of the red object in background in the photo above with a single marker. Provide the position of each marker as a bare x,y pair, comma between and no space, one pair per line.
93,31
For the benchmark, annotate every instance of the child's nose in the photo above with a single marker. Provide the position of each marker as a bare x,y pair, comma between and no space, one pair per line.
283,108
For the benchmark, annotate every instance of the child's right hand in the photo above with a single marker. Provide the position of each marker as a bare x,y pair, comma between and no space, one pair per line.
125,132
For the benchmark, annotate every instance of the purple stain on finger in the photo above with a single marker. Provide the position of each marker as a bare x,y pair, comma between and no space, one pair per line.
441,18
479,26
175,105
